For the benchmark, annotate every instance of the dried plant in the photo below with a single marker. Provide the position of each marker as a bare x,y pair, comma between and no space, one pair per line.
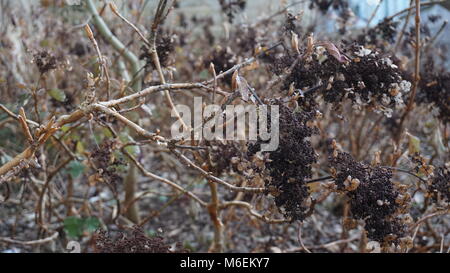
89,92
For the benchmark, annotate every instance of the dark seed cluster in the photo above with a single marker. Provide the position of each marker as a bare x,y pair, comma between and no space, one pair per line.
232,7
224,157
386,30
246,39
45,61
324,5
223,59
439,188
138,242
367,78
165,46
340,6
290,164
290,24
373,197
435,89
106,163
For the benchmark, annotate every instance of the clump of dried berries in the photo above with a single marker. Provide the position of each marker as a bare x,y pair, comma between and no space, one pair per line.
138,242
386,29
290,164
324,5
439,187
246,39
434,17
223,59
165,46
434,88
367,78
225,157
45,61
105,162
373,197
231,7
290,24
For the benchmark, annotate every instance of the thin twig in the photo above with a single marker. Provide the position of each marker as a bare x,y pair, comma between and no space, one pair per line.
29,243
249,207
164,180
114,41
374,13
101,60
114,9
402,32
423,219
300,240
422,4
208,175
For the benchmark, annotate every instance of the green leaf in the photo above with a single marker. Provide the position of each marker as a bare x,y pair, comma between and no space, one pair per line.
163,198
57,94
107,133
91,224
133,150
204,74
65,128
75,168
73,226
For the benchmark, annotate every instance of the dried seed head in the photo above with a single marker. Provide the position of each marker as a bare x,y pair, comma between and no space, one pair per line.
234,80
406,242
310,44
89,33
350,223
376,159
291,89
212,69
113,7
294,42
